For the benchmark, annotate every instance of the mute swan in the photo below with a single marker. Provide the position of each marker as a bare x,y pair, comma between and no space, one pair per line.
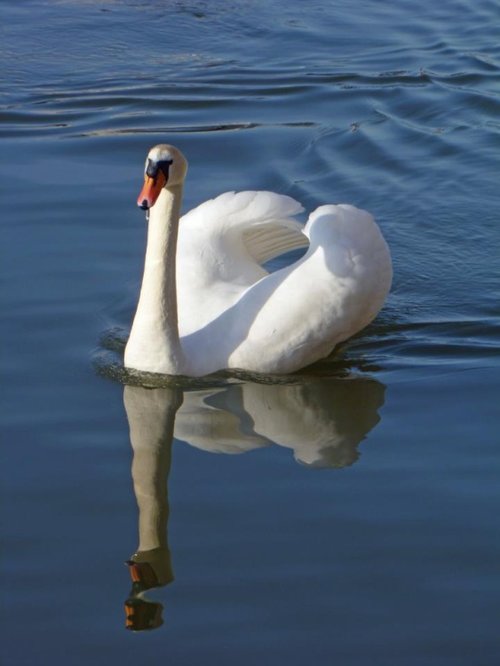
207,304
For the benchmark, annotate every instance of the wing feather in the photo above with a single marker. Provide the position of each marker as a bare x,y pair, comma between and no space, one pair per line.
262,221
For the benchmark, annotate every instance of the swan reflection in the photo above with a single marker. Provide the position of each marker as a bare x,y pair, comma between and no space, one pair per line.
322,421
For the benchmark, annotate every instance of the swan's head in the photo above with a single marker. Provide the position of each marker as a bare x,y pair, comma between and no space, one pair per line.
165,166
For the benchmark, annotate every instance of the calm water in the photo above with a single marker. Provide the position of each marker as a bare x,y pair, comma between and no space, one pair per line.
348,515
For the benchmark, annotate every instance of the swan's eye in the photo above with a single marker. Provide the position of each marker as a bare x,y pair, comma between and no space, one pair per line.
153,167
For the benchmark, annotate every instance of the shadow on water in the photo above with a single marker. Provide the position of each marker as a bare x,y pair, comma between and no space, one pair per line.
321,421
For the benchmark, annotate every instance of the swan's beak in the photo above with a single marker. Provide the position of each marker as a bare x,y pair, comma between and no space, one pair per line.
151,190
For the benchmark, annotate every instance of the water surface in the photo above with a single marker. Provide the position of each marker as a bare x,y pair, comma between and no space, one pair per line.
347,514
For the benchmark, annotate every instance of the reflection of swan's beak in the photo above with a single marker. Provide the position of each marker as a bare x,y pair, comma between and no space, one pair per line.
141,615
148,569
151,568
143,573
151,190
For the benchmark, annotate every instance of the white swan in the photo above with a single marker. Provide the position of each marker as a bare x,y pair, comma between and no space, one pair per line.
206,302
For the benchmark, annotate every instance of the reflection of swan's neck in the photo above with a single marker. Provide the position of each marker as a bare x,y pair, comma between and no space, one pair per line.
151,416
154,339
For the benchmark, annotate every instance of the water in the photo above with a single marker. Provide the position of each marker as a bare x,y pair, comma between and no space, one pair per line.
359,523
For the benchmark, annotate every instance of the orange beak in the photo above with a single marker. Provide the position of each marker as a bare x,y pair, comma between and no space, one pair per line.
151,190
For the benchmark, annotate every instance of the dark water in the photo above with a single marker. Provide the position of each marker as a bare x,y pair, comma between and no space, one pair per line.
362,528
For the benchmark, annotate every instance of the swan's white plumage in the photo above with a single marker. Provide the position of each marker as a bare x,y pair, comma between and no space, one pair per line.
222,244
232,310
233,314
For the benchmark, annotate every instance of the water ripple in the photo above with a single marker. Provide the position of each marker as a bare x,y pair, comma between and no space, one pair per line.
103,108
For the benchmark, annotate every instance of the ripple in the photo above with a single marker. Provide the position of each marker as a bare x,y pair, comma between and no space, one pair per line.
452,343
384,346
230,93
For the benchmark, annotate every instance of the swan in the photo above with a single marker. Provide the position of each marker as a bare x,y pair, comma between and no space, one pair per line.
207,303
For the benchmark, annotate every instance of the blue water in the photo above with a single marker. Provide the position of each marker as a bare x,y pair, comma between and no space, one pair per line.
346,515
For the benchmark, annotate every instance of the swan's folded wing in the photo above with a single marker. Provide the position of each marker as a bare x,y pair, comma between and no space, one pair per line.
261,221
267,241
222,246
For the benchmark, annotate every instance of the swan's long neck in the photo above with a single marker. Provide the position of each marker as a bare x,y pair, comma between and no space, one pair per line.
154,343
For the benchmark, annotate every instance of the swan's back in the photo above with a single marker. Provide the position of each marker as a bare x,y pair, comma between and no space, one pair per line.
295,316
